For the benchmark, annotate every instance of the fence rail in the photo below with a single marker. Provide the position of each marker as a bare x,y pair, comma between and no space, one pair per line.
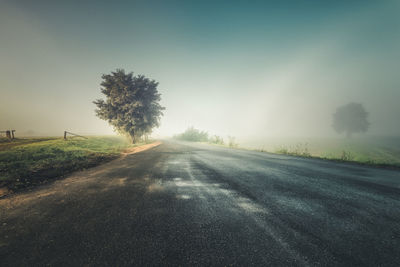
66,132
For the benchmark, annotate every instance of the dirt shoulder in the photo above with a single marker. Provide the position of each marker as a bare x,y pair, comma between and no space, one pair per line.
138,149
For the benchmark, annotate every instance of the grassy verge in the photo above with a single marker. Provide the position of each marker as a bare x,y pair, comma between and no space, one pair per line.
27,162
378,160
374,151
378,152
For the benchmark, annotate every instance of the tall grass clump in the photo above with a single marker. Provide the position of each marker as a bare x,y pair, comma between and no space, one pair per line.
217,140
232,142
300,149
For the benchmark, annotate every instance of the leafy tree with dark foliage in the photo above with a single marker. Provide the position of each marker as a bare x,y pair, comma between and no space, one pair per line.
350,118
131,105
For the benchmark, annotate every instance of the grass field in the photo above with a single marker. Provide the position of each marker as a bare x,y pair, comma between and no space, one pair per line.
31,161
383,151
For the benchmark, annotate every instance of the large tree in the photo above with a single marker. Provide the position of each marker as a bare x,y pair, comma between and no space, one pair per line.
350,118
132,103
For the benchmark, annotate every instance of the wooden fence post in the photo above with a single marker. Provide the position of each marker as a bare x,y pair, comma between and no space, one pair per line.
65,135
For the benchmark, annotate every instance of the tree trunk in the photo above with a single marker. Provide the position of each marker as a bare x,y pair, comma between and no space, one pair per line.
133,137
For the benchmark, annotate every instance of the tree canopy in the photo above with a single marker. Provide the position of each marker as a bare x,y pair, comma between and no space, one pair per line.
350,118
132,103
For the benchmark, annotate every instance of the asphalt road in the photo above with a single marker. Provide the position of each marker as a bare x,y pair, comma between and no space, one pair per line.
180,204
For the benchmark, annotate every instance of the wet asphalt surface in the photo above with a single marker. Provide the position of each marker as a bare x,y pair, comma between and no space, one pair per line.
198,205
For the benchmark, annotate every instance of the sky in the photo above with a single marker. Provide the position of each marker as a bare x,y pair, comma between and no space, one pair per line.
241,68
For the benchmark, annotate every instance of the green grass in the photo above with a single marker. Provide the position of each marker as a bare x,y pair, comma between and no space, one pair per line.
26,162
365,153
377,151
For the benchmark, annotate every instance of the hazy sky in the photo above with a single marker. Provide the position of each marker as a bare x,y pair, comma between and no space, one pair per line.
245,68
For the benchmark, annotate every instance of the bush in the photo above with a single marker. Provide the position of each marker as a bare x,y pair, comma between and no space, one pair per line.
193,135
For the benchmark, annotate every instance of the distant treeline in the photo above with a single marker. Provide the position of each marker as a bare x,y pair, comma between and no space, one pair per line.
194,135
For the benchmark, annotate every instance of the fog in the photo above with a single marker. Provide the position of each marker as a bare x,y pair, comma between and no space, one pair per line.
248,70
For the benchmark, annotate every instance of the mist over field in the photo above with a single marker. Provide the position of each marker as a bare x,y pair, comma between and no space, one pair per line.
257,71
199,133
